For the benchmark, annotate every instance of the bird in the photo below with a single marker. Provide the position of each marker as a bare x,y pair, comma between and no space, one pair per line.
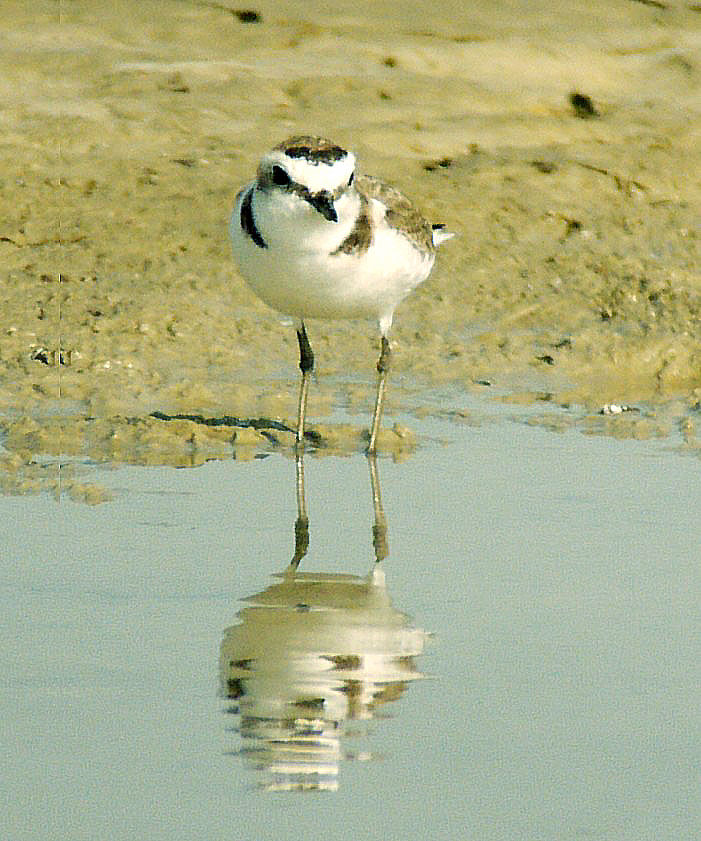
314,239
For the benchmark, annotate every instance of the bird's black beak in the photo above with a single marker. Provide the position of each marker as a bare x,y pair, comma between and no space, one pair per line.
323,202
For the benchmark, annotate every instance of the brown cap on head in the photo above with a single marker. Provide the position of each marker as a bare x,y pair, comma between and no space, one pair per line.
316,150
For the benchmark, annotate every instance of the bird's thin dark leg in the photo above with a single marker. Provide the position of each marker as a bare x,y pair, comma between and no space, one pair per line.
382,369
306,366
379,528
302,521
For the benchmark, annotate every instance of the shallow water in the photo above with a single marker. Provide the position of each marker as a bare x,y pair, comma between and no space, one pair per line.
528,669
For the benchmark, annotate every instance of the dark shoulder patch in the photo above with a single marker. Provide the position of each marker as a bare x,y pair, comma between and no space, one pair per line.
248,224
317,150
360,238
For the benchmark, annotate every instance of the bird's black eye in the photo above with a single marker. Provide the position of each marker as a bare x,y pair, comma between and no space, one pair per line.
350,180
280,177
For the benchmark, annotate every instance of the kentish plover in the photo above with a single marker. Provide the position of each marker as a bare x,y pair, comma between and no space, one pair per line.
313,240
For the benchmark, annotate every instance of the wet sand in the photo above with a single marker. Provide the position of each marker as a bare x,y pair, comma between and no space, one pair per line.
127,130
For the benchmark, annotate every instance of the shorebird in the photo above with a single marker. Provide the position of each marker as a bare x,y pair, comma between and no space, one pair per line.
315,240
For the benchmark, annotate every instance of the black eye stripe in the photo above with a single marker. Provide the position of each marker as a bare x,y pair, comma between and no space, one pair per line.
280,177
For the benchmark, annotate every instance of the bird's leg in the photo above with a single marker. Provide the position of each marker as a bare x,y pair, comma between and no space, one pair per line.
302,521
382,369
306,366
379,528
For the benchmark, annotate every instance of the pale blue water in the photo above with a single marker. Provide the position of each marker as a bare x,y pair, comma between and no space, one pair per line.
558,575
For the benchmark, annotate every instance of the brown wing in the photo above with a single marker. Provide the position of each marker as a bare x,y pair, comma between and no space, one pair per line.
401,213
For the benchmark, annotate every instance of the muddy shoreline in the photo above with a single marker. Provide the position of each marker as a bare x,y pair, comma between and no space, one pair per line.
126,133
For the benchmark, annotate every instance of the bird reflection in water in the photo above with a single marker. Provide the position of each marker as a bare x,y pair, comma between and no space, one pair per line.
312,654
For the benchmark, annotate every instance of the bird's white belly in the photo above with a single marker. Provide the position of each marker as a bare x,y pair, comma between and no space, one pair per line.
312,283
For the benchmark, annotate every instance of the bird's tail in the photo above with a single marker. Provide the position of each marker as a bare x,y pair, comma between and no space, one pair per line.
440,235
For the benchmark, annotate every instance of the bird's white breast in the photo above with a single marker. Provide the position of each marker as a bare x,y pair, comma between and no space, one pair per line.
298,272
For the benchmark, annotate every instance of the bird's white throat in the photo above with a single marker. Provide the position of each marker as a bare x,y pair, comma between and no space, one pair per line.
290,223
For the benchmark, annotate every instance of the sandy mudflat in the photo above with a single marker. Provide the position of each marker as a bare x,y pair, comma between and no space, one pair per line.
126,130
